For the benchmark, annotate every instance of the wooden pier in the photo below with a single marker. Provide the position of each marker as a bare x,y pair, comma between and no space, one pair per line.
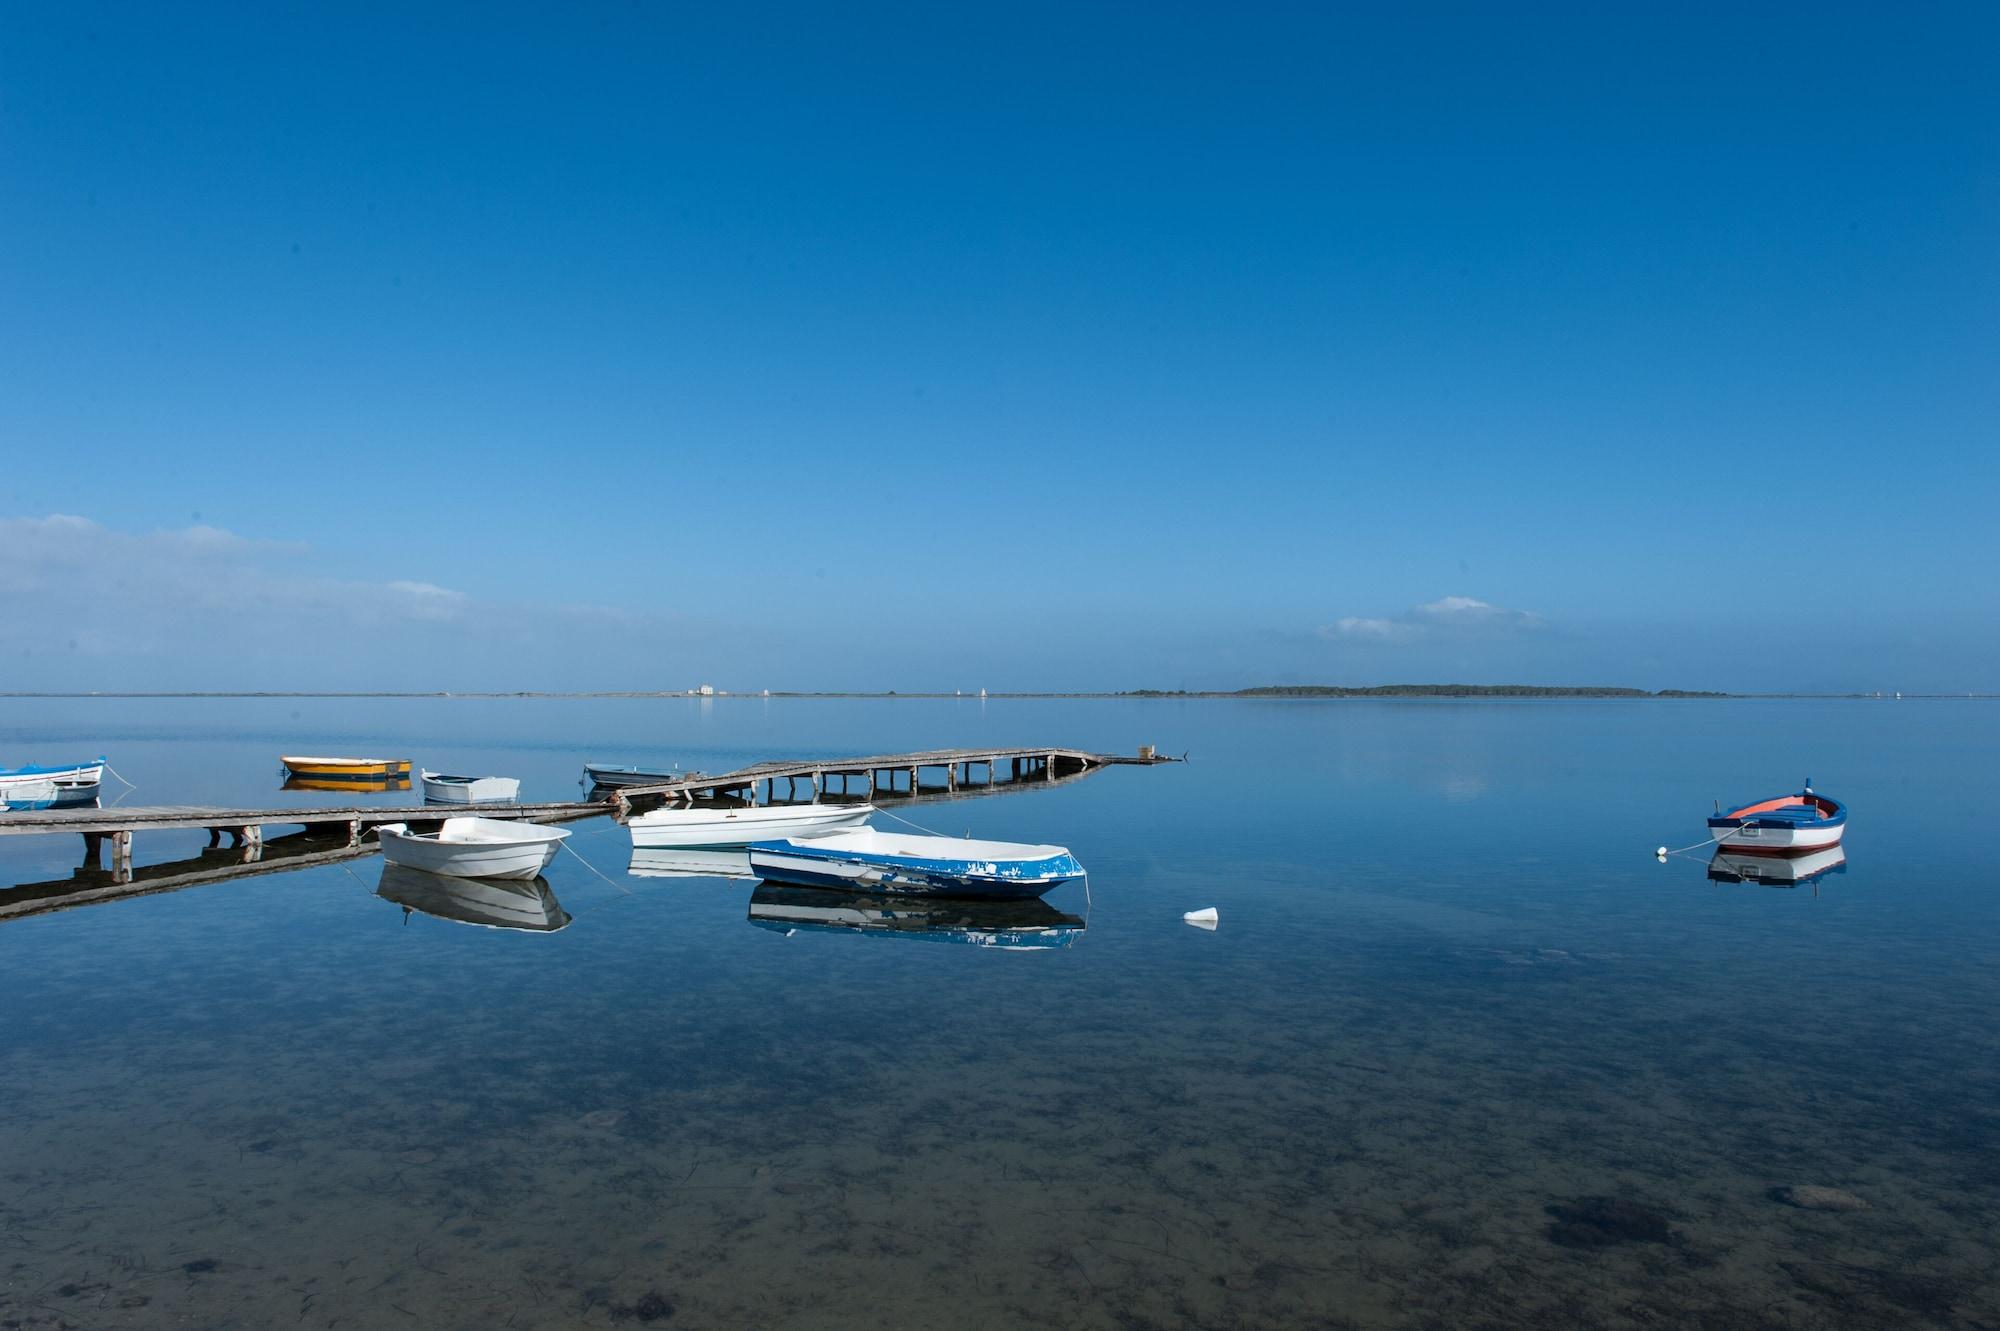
955,773
881,776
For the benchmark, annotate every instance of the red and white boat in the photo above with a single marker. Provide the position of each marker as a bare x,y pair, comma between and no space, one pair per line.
1787,825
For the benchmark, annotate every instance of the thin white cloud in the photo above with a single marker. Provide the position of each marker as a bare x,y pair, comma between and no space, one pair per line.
1465,610
209,606
424,600
1448,616
1379,630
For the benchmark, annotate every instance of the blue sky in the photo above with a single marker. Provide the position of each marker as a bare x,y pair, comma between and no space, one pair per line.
632,346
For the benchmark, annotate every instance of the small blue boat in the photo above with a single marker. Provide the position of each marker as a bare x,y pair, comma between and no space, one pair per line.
1784,825
867,860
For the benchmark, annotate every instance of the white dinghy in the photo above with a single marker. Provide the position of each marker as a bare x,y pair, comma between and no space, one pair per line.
734,828
473,847
442,789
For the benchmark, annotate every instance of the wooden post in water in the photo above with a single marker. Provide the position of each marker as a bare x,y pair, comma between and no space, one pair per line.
121,855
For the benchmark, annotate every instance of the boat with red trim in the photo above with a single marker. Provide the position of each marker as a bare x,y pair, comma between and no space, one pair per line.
1785,825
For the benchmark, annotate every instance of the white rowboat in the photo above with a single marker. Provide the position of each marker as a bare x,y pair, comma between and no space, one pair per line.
471,847
442,789
733,829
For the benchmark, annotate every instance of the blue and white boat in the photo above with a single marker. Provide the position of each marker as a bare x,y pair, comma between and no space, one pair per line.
58,787
1785,825
867,860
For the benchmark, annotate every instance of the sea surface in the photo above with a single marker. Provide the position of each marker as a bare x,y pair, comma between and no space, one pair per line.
1461,1052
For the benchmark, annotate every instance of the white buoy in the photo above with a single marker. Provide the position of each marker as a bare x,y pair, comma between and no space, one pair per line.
1205,918
1661,852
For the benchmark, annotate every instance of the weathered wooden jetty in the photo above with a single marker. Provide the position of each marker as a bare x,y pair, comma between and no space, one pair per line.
953,773
881,776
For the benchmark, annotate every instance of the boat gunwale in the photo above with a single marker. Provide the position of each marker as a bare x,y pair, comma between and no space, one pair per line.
1827,812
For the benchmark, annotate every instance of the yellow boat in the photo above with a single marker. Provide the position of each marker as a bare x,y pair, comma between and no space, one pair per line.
346,771
364,784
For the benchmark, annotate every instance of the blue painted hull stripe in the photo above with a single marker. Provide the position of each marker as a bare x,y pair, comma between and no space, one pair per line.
987,889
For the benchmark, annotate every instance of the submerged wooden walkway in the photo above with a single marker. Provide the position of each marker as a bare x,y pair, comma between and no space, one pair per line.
898,776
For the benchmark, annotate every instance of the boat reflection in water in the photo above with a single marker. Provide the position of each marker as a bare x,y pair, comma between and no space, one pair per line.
350,787
494,903
672,862
1776,870
1014,926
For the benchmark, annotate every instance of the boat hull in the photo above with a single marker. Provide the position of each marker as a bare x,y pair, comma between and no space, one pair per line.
442,789
1776,840
733,829
1787,825
914,866
25,795
347,769
77,774
346,787
498,850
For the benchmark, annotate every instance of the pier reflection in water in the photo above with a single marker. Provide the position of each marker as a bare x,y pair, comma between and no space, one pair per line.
91,884
1777,870
491,903
1008,925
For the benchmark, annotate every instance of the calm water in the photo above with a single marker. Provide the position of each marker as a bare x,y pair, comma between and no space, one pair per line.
1460,1054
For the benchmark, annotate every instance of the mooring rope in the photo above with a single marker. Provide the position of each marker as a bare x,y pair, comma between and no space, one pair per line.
1663,852
919,826
593,868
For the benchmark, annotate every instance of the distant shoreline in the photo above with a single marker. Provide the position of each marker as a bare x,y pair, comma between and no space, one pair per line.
1265,693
